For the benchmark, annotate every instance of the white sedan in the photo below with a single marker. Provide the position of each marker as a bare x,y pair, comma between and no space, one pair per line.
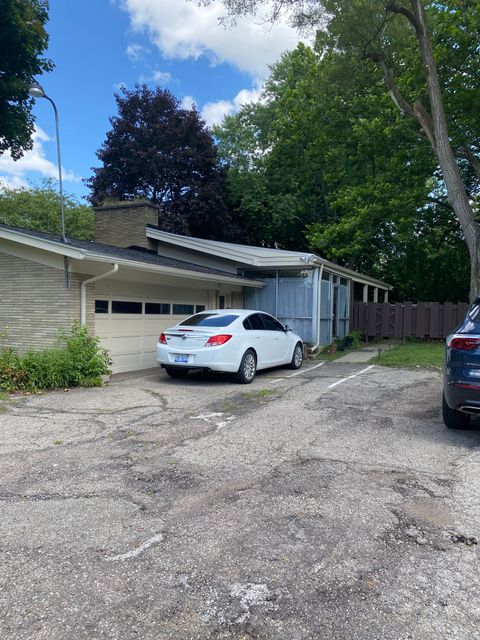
232,340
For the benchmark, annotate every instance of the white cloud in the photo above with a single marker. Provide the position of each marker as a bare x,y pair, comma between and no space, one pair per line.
214,112
14,172
157,77
188,102
182,29
136,52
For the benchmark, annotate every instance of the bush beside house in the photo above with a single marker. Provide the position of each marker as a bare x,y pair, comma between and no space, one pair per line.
78,361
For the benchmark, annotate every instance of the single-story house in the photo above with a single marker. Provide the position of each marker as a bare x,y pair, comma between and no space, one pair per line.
134,280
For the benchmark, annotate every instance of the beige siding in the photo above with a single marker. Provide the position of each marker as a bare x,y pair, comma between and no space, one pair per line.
34,303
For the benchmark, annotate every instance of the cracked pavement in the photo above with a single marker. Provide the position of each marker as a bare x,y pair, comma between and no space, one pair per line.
286,509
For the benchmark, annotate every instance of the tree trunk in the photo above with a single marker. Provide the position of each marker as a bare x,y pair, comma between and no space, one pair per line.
456,192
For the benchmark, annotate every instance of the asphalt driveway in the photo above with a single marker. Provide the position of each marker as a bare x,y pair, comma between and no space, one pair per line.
327,504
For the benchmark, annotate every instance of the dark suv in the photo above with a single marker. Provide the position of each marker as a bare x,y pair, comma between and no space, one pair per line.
461,382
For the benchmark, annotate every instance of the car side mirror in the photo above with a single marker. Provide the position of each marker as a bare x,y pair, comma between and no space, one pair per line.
288,327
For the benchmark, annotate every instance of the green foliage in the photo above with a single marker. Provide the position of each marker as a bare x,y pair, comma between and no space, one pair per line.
78,361
88,361
38,208
23,40
359,178
326,162
350,341
13,375
159,151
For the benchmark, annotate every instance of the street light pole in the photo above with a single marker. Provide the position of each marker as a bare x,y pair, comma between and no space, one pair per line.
37,91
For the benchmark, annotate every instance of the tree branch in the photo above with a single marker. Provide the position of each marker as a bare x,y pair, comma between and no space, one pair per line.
393,7
472,159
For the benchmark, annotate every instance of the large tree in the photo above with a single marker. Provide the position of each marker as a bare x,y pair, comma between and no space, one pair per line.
38,208
326,155
159,151
423,51
23,40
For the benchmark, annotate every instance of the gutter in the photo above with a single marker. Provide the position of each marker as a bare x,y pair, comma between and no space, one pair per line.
83,292
173,271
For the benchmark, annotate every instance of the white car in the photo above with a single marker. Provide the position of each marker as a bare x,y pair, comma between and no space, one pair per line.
231,340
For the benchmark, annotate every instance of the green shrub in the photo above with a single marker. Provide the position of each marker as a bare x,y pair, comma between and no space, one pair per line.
77,361
88,360
47,369
12,374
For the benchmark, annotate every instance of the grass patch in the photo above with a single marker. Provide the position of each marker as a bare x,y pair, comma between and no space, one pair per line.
411,355
258,395
228,406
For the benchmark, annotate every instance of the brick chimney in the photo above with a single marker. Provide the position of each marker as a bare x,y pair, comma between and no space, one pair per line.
122,224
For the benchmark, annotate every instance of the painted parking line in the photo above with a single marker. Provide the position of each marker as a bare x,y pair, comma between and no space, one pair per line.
354,375
297,373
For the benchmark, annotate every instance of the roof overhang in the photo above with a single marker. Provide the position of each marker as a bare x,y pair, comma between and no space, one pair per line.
86,255
245,256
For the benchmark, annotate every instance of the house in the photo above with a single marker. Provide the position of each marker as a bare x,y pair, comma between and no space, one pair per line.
135,280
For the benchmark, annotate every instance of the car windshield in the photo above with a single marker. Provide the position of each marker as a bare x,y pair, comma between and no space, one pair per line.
209,320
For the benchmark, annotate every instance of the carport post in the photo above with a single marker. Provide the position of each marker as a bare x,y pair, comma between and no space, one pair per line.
83,292
316,302
365,293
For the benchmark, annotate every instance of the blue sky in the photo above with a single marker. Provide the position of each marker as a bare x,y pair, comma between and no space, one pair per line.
98,45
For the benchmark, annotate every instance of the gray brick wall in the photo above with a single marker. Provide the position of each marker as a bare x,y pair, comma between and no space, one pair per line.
122,224
34,304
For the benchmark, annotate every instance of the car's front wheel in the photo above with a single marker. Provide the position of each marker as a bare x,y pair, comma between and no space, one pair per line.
248,368
176,372
297,357
454,419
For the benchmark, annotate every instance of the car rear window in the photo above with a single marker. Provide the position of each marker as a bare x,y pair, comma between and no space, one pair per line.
210,320
474,313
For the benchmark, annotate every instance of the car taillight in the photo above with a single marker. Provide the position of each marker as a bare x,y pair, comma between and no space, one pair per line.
162,338
464,344
216,341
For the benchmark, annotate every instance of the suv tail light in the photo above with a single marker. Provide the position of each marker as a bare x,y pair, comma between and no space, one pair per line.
162,338
216,341
464,344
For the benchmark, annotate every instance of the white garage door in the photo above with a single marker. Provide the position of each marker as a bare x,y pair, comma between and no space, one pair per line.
129,328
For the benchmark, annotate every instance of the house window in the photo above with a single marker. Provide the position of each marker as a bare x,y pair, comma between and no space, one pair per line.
221,302
126,306
101,306
157,308
199,308
183,309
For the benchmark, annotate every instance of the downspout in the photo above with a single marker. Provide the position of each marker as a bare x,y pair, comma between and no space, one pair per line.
318,301
83,292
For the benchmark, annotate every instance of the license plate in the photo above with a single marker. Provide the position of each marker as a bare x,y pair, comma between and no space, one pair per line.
181,358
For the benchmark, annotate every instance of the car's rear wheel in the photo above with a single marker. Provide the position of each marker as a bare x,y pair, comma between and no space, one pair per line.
248,368
297,357
454,419
176,372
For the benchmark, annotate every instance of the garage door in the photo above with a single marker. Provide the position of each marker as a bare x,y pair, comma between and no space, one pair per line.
129,329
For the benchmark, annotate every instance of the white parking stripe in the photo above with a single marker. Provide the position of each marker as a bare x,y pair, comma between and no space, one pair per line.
297,373
354,375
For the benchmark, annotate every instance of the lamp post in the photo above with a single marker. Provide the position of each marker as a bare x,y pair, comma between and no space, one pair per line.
37,91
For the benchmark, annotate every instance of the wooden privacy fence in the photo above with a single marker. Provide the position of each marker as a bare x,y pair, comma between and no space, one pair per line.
407,319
